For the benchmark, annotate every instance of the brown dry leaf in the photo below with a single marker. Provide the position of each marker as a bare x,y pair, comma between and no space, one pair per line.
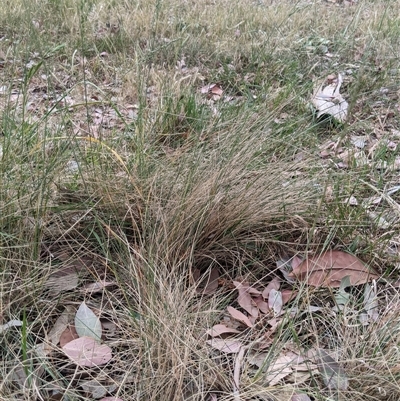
239,316
62,280
329,268
219,329
209,283
261,304
228,346
68,335
54,335
288,295
296,260
275,284
245,300
214,91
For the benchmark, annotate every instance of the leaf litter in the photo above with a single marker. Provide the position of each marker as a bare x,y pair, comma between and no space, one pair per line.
264,312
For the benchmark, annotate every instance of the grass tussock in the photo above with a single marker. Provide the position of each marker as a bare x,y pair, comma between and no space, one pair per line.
118,166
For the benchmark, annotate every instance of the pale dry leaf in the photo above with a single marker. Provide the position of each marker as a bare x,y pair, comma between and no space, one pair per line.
258,359
245,300
298,377
371,302
239,316
285,268
214,91
329,268
333,374
11,323
18,373
352,201
227,346
363,318
219,329
274,323
86,351
359,141
54,335
237,368
275,301
328,100
87,324
280,369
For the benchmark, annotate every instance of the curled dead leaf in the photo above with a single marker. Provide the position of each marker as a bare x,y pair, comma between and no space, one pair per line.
328,100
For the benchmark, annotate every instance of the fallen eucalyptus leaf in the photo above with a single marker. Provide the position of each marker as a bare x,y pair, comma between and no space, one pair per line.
333,375
86,351
87,323
329,268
